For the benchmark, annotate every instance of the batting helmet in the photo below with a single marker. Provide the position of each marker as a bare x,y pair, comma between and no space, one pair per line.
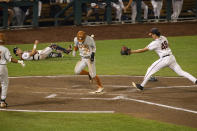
2,38
14,50
81,35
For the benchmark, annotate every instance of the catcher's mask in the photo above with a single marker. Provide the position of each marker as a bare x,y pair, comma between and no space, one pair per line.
2,38
81,35
14,50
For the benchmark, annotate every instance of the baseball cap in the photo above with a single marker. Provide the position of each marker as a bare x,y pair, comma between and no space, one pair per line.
81,35
155,31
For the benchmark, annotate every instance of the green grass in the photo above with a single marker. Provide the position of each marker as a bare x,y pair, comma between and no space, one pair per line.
21,121
108,62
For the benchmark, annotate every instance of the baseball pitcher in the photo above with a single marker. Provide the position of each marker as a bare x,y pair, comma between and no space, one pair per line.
166,59
41,54
87,49
5,57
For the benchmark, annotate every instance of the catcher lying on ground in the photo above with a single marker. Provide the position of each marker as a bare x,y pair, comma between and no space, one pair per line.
41,54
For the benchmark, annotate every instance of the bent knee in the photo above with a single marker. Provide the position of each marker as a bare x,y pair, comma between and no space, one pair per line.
77,71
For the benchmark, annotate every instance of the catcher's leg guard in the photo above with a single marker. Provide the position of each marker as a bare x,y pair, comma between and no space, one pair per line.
57,47
54,54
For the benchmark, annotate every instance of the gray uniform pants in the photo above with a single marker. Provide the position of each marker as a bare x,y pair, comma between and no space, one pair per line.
157,6
177,7
4,81
119,7
134,10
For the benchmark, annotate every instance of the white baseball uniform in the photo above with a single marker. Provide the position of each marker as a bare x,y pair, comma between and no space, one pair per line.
85,49
167,59
157,6
5,57
134,10
41,54
119,6
177,6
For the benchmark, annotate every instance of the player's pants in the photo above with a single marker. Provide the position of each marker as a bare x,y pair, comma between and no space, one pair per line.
45,52
4,81
85,62
118,6
157,6
168,61
134,10
177,6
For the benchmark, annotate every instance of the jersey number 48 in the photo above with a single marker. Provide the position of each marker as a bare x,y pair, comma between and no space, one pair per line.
164,45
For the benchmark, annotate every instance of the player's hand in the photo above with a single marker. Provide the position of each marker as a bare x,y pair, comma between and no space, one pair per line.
21,62
36,42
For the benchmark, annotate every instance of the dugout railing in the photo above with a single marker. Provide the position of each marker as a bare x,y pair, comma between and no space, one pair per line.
73,11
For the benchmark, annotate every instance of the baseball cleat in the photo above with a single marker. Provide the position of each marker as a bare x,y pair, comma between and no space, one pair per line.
98,91
3,104
138,86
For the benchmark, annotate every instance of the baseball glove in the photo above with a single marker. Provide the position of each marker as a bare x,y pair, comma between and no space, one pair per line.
125,51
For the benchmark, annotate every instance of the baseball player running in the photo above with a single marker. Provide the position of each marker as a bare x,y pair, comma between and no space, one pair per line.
161,46
157,6
133,4
87,49
41,54
5,57
177,6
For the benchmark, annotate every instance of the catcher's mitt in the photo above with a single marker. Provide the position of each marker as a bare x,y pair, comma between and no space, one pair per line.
125,51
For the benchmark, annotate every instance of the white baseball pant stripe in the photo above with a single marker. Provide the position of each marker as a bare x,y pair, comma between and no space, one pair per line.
168,61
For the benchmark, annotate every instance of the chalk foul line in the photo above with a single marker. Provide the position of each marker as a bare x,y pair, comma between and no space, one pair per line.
142,101
57,111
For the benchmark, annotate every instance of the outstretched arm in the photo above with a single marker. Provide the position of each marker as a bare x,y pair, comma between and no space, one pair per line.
33,52
139,50
18,61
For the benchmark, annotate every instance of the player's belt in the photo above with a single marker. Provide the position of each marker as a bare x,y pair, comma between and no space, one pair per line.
165,55
86,57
